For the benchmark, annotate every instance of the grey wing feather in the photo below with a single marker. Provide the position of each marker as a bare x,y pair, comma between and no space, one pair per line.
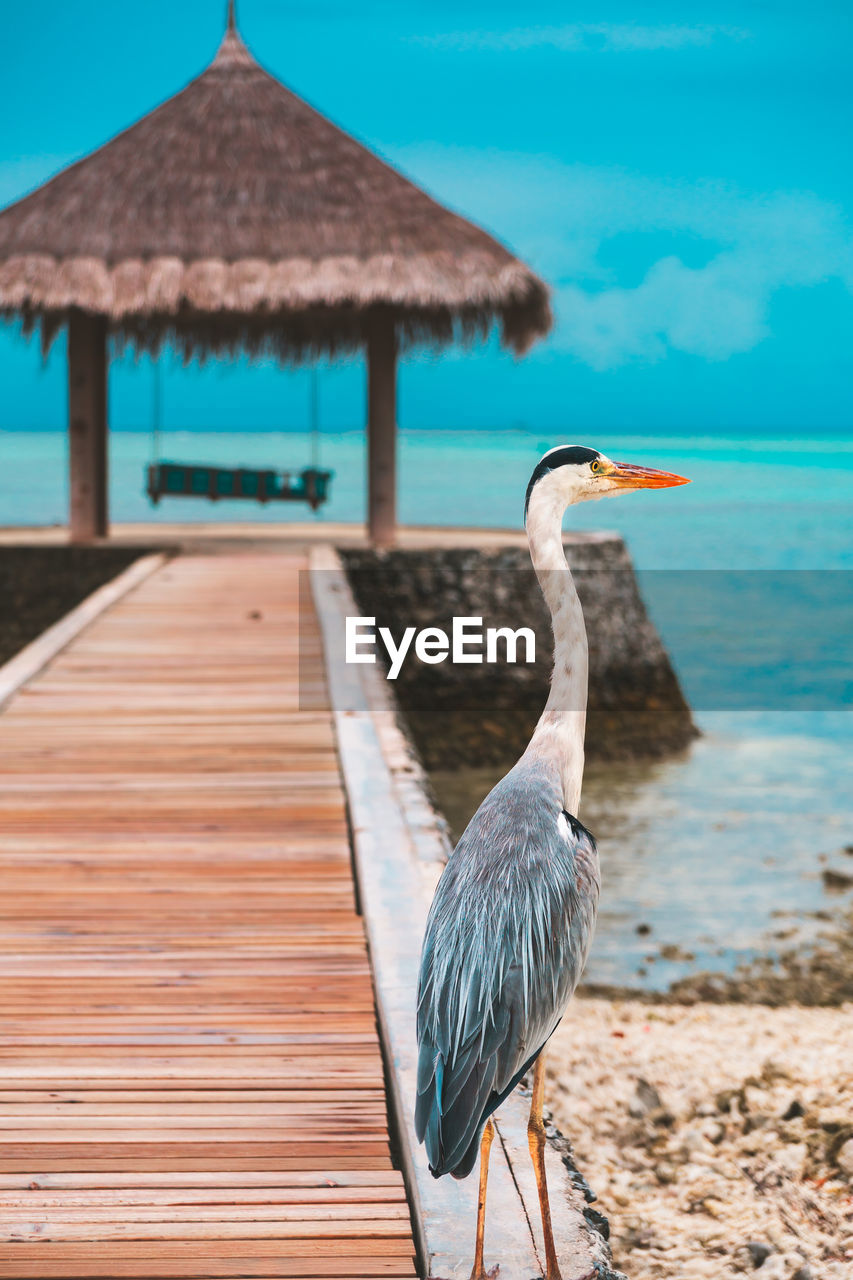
506,941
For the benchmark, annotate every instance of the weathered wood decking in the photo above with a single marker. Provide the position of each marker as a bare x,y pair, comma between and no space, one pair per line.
191,1081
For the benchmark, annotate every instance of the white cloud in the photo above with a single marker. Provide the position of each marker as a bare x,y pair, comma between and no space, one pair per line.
562,218
674,308
606,36
760,244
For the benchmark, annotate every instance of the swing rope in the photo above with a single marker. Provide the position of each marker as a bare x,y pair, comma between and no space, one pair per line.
156,412
315,419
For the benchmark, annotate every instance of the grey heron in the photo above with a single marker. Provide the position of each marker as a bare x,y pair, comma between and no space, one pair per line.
511,923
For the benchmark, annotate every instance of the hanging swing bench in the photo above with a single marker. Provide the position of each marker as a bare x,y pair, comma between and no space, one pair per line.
191,480
254,484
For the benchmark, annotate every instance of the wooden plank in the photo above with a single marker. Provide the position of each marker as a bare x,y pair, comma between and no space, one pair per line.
330,1176
338,1224
46,1262
322,1193
209,1250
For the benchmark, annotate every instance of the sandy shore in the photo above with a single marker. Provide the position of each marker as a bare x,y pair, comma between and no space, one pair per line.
717,1136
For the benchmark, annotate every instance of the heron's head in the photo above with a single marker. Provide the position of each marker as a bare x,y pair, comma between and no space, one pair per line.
573,473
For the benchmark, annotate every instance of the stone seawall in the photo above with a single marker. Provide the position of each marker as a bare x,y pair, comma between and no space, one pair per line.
484,714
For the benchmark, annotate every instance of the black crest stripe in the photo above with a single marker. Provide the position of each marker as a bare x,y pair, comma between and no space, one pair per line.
570,455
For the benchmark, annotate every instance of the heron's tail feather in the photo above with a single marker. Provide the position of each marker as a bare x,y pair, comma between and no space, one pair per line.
452,1106
451,1132
469,1157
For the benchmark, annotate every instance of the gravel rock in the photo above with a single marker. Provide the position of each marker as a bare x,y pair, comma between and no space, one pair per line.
775,1268
713,1132
758,1252
837,880
729,1175
645,1100
844,1158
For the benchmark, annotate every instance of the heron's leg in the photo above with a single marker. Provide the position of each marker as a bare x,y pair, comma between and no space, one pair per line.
478,1271
536,1142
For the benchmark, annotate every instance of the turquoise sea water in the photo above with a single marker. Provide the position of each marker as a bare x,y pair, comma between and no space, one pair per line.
717,856
719,851
754,504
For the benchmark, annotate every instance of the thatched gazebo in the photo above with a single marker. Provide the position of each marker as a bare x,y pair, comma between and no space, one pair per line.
235,217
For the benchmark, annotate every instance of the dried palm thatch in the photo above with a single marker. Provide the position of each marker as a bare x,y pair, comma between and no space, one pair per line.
236,216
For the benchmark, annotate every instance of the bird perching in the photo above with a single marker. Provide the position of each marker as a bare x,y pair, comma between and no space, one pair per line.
513,916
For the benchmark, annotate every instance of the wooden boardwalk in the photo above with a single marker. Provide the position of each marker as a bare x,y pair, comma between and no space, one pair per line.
191,1081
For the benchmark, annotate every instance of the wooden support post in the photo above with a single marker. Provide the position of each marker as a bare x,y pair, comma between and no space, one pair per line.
382,432
87,426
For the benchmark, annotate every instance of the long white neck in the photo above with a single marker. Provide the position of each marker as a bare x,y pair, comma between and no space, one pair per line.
559,735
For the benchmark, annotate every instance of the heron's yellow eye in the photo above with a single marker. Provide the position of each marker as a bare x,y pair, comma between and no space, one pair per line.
595,467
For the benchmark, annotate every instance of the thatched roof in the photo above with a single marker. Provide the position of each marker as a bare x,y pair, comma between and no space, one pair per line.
236,215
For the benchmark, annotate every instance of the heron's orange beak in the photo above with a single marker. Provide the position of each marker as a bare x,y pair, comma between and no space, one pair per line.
629,476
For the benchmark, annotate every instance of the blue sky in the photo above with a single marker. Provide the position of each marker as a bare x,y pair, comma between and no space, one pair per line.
682,180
